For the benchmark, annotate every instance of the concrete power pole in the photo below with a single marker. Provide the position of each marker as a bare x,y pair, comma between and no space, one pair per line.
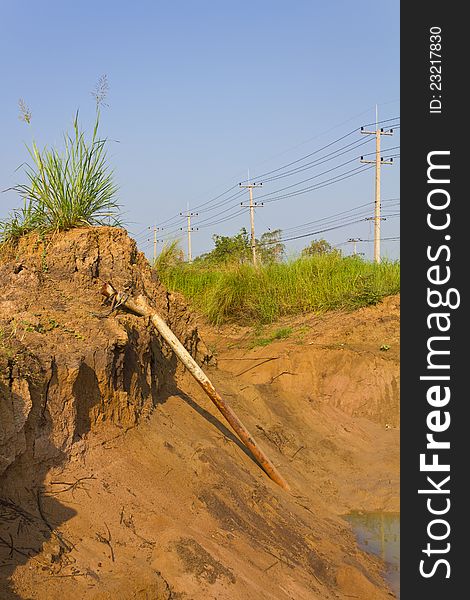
155,242
378,162
354,242
252,207
155,229
189,229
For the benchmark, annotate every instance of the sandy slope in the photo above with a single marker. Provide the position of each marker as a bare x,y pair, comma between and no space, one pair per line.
172,506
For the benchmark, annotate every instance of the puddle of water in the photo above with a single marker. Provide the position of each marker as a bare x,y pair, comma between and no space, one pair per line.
379,534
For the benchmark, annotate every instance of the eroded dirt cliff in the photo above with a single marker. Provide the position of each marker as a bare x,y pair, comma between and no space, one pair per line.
65,366
119,479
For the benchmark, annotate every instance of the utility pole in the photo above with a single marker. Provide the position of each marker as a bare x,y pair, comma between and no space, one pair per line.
354,241
252,207
189,229
155,242
378,162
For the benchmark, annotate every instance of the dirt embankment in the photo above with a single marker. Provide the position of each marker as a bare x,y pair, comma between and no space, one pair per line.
66,366
347,360
118,478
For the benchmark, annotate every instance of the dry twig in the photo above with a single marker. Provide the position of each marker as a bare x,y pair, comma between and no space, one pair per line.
106,541
10,545
283,373
296,452
75,485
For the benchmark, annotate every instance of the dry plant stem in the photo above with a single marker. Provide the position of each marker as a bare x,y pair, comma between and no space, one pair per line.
140,307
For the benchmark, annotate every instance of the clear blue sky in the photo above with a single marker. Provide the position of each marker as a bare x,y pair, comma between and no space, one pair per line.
200,92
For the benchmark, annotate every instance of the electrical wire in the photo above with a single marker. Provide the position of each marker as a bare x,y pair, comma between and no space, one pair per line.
355,130
293,171
330,181
320,174
319,161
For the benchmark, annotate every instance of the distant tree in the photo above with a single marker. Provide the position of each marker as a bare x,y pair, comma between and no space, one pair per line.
229,249
270,247
317,247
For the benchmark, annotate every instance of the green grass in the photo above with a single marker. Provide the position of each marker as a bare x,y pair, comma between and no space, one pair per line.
64,189
247,294
279,334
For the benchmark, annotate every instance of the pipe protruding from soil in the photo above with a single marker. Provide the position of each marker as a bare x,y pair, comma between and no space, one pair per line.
140,307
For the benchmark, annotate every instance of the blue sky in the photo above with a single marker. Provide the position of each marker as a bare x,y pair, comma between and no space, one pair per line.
200,92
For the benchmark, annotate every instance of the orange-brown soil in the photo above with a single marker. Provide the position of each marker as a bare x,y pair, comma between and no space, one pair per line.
120,480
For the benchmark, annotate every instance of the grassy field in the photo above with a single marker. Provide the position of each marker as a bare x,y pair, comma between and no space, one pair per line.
247,294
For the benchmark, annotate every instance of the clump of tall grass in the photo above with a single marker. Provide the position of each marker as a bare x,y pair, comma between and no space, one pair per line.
170,256
317,283
65,189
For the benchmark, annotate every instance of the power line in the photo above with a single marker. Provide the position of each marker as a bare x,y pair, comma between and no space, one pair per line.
176,217
337,218
325,132
318,161
366,204
228,199
226,210
294,171
324,230
321,160
355,130
329,181
320,174
139,233
296,228
263,175
234,196
380,122
228,218
222,202
390,239
239,212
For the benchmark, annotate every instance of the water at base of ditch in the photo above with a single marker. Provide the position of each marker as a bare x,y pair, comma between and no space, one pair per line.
379,533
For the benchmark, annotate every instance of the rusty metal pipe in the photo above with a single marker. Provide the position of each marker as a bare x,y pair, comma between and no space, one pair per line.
140,307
